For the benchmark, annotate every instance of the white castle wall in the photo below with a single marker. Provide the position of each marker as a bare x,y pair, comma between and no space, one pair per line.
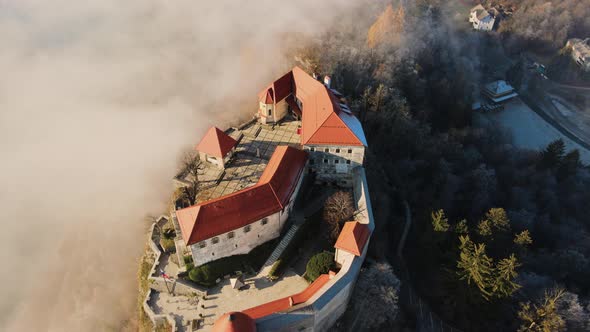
277,112
335,163
243,242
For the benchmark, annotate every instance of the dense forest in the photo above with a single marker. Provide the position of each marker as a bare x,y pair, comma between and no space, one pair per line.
500,239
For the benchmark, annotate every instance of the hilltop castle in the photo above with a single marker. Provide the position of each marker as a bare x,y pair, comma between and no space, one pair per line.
332,144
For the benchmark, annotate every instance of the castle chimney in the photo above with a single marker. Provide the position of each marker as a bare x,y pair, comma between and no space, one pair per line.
327,81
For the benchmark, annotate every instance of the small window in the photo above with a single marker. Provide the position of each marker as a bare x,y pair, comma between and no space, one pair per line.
326,150
312,149
215,240
336,161
230,235
212,254
202,244
349,150
337,150
325,161
269,112
236,245
264,221
247,229
348,162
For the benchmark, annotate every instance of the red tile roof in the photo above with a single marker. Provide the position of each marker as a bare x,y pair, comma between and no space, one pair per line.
269,97
230,212
353,237
216,143
234,322
291,101
289,301
322,122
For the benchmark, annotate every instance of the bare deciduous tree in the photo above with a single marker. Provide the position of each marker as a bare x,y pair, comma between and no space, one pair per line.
192,165
338,209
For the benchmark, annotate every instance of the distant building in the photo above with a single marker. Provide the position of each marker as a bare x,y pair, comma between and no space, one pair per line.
216,147
580,52
330,132
499,91
237,223
482,19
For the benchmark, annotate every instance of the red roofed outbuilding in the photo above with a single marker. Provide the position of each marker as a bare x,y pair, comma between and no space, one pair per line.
216,147
351,241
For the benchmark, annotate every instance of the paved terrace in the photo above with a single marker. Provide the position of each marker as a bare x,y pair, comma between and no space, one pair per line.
223,298
252,154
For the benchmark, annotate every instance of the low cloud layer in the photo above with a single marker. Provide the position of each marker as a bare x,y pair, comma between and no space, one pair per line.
97,99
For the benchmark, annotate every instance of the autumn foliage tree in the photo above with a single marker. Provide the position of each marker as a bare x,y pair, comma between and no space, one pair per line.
542,316
440,223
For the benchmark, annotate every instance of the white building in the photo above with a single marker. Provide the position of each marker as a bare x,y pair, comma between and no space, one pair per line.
330,132
499,91
237,223
481,19
580,52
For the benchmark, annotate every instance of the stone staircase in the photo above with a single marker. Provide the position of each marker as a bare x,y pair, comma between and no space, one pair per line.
278,250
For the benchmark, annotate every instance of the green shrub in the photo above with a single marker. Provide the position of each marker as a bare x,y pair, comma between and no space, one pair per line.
207,274
167,245
319,264
188,259
274,269
168,233
204,275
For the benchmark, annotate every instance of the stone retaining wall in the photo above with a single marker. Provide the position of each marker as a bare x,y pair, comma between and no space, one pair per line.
174,286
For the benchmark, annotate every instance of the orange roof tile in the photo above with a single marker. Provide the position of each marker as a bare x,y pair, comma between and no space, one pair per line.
291,101
230,212
289,301
322,121
234,322
353,237
216,143
283,171
269,97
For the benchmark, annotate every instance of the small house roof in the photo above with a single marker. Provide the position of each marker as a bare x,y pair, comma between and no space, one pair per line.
353,237
498,87
216,143
234,322
236,283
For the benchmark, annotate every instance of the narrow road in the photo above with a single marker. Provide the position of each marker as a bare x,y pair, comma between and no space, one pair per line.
576,87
